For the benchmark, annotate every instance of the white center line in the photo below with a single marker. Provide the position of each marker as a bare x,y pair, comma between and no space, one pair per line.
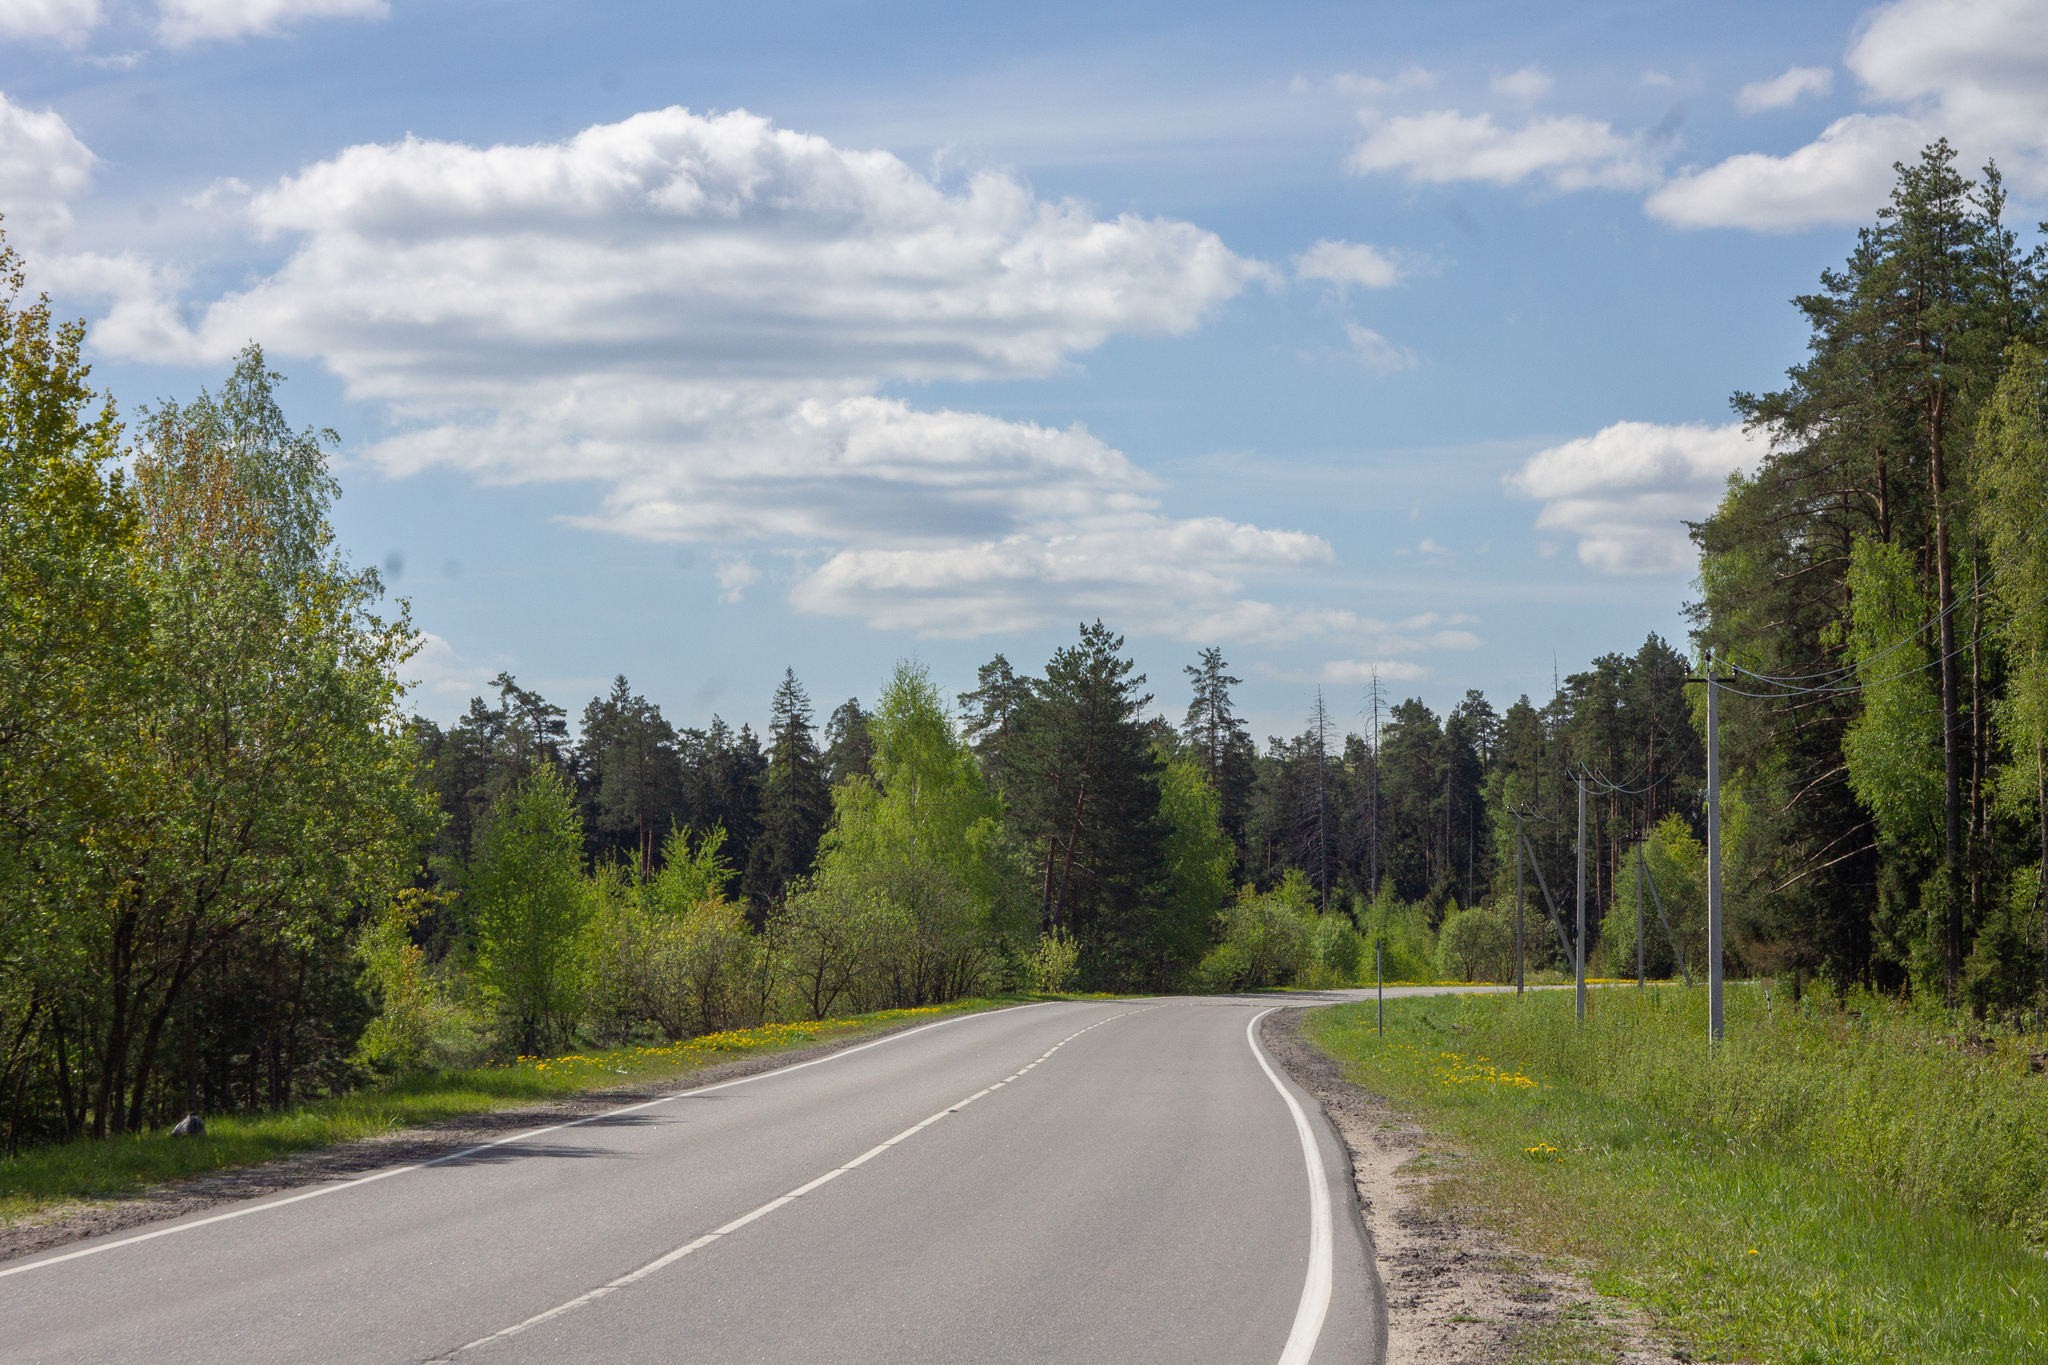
336,1188
670,1258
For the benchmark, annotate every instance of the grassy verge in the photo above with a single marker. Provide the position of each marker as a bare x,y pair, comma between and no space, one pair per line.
39,1180
1834,1185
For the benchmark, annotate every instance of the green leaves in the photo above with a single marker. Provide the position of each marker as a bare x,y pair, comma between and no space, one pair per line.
1893,748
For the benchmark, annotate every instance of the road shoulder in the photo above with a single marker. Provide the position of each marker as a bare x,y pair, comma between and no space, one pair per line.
1456,1293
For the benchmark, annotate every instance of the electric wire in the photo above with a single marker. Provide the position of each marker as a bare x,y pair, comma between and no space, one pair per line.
1786,680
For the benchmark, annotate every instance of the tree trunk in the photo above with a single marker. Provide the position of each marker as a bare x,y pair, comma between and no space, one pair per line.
1980,734
1951,761
107,1111
74,1120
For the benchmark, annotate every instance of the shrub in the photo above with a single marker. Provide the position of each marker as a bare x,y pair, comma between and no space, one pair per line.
1052,966
1265,938
1408,946
1476,945
1335,951
400,1038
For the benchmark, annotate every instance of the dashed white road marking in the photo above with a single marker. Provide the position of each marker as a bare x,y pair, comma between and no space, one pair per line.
359,1181
670,1258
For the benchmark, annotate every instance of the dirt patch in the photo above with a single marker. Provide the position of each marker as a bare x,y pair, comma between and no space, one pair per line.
409,1146
1456,1293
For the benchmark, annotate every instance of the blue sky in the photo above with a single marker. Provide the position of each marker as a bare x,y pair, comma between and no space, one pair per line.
691,342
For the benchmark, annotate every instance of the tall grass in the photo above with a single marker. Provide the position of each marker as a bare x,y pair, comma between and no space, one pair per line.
1876,1091
1835,1183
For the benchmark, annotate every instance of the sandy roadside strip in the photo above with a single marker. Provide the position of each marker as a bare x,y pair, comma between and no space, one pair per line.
1456,1293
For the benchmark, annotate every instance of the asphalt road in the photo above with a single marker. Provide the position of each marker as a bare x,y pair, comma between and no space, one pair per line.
1114,1181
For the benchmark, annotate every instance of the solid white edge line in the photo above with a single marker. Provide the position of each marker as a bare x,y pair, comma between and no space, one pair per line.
1322,1269
671,1257
500,1142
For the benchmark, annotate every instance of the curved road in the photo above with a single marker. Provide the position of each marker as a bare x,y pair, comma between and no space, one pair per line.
1112,1181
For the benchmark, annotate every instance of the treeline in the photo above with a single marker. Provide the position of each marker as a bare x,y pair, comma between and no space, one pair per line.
235,873
1880,585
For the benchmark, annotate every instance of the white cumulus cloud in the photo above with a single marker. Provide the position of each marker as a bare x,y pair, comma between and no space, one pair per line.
1363,671
1344,264
1375,352
1781,92
183,22
43,166
1627,491
694,314
1974,71
1376,87
1569,151
1531,83
64,22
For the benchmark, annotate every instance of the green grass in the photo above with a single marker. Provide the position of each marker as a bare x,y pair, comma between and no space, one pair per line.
1830,1186
44,1179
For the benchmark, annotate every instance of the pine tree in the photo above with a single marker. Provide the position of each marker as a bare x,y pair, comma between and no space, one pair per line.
795,799
1083,782
1222,746
848,749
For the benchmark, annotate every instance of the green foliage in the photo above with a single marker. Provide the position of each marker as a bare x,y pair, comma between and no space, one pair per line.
530,907
1081,778
691,873
1335,953
917,887
1264,938
1476,945
1675,862
1407,944
1052,964
1893,748
1864,558
1199,858
400,1038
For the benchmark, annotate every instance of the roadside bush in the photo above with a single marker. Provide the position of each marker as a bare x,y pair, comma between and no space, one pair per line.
1052,966
1409,946
1335,952
1678,864
672,952
394,973
1476,945
1265,939
531,906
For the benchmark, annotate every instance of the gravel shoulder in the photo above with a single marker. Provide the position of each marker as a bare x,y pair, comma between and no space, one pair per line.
1456,1292
73,1223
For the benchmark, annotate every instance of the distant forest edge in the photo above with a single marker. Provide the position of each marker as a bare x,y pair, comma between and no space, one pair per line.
236,872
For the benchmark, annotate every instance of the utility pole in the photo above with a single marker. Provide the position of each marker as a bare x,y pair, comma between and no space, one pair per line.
1639,916
1714,1019
1518,905
1579,944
